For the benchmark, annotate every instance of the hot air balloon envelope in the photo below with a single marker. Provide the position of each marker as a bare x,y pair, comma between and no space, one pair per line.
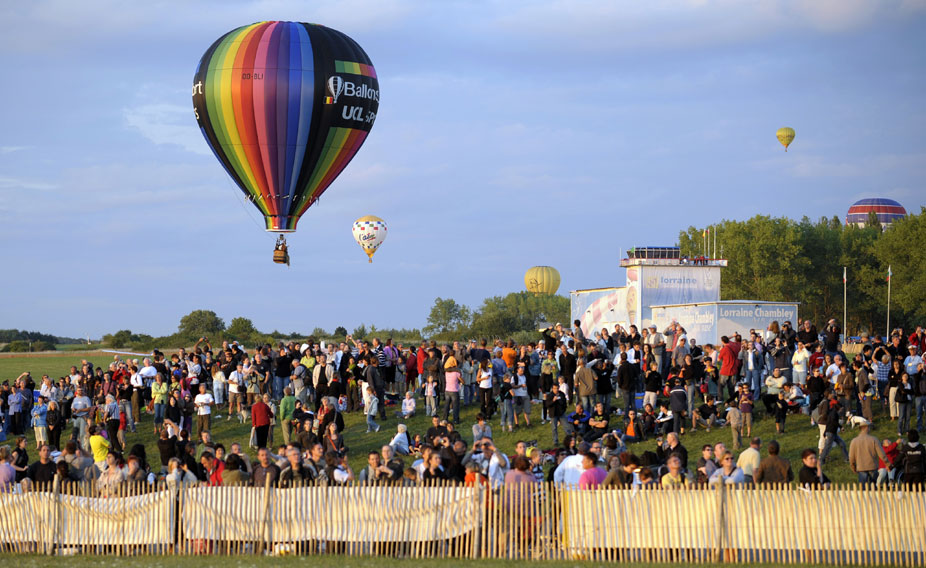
369,232
785,135
284,107
541,280
887,211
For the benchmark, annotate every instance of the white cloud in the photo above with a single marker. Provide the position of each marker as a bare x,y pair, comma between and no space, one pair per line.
589,25
164,123
817,166
9,183
11,149
66,24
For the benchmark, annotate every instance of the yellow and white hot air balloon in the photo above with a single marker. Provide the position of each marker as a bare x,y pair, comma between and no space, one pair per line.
369,232
541,280
785,135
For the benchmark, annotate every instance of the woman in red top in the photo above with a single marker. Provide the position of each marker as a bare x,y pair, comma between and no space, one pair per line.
261,416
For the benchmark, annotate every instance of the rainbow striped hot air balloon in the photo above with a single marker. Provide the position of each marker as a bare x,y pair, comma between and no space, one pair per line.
284,107
541,280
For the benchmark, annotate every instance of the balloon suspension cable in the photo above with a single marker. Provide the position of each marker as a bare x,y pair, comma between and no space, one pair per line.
247,209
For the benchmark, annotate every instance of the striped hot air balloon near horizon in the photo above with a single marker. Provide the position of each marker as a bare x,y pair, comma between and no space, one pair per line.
887,211
285,106
541,280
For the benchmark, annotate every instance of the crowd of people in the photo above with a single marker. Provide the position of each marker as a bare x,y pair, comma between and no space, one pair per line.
604,394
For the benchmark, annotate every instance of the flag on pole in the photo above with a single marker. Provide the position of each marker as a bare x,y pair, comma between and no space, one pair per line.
843,274
704,233
889,273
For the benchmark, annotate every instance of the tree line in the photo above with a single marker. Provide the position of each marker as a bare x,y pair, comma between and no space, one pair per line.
779,259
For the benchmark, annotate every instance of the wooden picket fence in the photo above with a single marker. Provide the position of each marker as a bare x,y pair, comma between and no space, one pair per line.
769,524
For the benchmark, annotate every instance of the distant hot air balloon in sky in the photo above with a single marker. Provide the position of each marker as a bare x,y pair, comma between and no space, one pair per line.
887,211
785,135
369,232
541,280
284,107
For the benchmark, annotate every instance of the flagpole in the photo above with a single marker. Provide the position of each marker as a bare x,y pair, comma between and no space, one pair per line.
887,335
715,243
845,322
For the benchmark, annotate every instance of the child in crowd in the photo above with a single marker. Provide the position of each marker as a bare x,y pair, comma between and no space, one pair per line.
430,397
408,406
370,410
781,412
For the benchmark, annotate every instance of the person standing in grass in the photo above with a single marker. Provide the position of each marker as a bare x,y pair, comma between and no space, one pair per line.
371,409
452,386
203,403
287,409
39,423
260,420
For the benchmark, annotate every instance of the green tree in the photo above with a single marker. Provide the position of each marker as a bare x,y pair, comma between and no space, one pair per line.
901,247
200,323
518,311
360,332
241,329
446,317
122,338
340,331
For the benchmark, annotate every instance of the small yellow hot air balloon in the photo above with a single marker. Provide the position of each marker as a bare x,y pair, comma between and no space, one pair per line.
785,135
541,280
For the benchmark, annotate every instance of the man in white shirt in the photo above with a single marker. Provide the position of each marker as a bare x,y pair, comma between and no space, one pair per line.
750,459
235,384
495,464
138,394
203,404
148,372
570,469
832,372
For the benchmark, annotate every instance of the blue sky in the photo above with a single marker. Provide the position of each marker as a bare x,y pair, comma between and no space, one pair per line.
509,134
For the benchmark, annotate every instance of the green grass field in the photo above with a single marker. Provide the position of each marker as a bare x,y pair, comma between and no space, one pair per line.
798,436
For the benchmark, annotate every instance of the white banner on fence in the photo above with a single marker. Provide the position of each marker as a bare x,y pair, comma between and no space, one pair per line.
355,514
629,518
145,519
31,517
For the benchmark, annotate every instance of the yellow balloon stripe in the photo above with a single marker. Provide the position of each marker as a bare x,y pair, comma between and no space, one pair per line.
225,83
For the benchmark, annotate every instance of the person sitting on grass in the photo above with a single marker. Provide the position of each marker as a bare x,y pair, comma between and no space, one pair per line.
598,423
577,422
408,406
401,443
706,415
